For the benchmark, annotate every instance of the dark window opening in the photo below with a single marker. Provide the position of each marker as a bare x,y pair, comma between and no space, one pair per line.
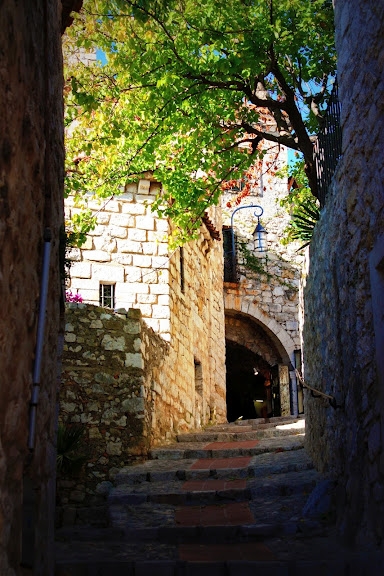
182,277
107,295
198,377
230,258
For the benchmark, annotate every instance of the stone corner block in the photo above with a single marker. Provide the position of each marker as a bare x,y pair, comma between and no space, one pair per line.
134,313
144,186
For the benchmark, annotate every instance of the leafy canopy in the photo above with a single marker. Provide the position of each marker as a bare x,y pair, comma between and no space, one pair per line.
184,83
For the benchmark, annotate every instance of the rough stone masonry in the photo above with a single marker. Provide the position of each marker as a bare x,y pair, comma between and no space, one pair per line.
31,199
343,323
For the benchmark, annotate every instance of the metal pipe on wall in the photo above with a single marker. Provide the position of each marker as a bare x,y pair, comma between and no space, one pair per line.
40,338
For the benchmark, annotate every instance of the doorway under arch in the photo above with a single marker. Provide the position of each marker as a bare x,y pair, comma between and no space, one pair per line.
247,373
255,363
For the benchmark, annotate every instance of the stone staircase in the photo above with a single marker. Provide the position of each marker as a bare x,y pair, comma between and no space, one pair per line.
225,502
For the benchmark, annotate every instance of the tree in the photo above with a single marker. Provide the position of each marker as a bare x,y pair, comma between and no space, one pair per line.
189,90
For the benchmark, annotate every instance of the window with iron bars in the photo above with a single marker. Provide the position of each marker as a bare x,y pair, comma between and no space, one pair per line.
107,295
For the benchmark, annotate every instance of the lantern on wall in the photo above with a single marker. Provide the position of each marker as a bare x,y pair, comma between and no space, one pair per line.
260,234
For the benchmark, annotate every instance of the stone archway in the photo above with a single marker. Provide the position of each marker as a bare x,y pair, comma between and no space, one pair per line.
234,304
258,355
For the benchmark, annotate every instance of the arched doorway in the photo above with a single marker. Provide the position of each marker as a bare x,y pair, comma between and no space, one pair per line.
257,382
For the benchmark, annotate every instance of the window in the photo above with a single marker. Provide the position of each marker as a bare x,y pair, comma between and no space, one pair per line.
198,377
107,295
230,259
182,277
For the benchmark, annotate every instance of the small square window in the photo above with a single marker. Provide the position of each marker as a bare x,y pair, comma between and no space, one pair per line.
107,295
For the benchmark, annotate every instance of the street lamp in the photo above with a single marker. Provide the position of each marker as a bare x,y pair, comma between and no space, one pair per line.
259,234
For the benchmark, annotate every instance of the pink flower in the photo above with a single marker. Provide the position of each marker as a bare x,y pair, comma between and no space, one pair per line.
69,297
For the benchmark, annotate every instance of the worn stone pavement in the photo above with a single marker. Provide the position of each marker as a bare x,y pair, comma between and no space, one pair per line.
225,502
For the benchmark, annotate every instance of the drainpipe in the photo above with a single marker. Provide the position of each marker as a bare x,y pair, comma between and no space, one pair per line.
292,374
39,338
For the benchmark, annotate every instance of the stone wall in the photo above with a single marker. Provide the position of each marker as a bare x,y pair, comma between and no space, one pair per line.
111,371
130,389
275,294
179,294
31,191
343,315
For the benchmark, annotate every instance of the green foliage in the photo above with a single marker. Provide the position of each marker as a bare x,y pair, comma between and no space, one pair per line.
259,266
184,82
303,221
254,263
70,458
73,235
302,206
78,228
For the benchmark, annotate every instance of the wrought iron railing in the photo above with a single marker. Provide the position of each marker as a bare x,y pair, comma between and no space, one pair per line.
328,145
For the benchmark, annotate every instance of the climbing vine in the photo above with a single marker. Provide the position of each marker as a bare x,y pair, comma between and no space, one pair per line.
259,266
254,263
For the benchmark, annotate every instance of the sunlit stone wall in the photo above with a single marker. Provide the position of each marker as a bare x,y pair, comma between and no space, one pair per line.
178,293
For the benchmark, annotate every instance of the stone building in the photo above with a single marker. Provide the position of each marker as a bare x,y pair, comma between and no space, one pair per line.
161,344
343,324
125,264
261,303
31,192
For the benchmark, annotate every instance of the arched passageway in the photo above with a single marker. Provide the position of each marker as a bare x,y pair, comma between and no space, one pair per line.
257,374
247,373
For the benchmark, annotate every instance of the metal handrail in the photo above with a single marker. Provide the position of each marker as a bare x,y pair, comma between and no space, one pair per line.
319,393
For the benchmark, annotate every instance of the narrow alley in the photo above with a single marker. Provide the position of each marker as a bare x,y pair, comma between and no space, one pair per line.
230,500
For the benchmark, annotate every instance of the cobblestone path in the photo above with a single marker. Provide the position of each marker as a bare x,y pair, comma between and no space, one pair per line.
224,502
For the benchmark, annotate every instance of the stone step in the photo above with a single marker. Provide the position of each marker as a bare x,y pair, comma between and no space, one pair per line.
256,422
253,424
192,491
353,564
159,529
241,433
270,502
269,422
231,427
227,449
218,503
268,495
287,453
